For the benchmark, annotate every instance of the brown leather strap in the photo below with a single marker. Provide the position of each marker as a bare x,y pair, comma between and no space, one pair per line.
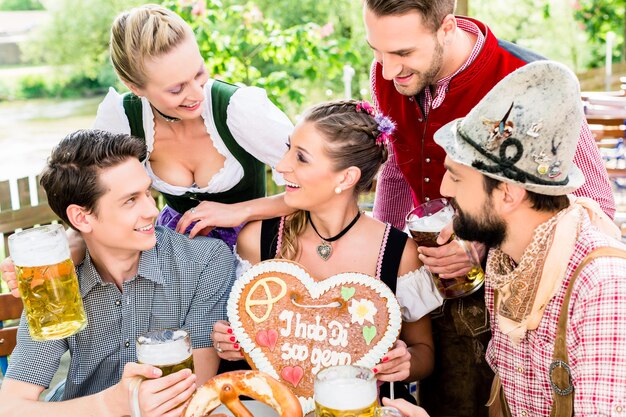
498,407
560,375
496,384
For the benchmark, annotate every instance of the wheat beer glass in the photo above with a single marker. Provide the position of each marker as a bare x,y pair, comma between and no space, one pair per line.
168,349
424,223
348,391
47,282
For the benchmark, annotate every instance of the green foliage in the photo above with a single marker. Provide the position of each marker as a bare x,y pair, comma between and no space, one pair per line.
32,86
294,50
6,92
57,86
15,5
343,17
240,43
597,18
544,26
77,37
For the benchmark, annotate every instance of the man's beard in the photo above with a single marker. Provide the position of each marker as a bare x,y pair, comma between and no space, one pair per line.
427,78
488,228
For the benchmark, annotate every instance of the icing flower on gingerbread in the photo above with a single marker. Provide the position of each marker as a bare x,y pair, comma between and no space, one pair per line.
362,310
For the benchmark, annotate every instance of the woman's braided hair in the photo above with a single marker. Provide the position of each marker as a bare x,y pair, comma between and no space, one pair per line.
351,140
142,33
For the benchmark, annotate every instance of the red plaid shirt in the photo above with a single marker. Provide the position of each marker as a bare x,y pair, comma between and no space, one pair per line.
596,340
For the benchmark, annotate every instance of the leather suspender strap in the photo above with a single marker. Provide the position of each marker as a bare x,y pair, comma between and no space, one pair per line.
560,374
498,407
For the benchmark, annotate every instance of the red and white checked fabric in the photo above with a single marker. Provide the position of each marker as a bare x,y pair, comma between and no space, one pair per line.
596,340
597,185
425,97
393,199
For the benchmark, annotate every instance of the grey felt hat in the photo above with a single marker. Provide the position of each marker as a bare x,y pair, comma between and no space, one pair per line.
524,131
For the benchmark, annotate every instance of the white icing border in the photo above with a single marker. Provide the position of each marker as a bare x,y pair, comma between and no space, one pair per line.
316,289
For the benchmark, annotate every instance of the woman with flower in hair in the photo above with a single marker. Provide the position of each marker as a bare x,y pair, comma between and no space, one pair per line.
334,154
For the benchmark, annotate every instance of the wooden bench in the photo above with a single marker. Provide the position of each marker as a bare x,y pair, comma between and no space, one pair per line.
605,114
606,117
23,204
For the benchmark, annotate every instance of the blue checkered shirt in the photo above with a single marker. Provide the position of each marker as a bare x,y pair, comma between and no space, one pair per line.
180,283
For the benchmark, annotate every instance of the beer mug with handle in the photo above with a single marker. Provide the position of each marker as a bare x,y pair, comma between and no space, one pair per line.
348,391
424,223
47,282
167,349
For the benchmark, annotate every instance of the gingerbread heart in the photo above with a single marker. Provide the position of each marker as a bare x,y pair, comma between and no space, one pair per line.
290,326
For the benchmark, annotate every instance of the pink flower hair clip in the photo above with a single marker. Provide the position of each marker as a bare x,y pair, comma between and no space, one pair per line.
365,107
385,125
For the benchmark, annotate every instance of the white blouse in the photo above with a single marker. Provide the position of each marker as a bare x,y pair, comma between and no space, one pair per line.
415,291
255,122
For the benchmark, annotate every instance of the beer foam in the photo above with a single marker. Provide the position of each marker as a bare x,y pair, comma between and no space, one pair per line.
45,245
159,353
345,393
433,223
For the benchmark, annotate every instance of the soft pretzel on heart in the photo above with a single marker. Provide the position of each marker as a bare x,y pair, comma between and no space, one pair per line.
227,387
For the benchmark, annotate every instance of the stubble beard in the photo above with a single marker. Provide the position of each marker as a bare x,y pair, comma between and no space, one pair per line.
425,79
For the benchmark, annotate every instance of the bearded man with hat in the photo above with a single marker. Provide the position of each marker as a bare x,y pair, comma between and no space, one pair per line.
555,281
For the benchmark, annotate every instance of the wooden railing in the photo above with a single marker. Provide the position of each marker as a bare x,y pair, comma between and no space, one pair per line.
23,204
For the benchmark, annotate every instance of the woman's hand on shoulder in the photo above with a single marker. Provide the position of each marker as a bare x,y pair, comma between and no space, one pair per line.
209,214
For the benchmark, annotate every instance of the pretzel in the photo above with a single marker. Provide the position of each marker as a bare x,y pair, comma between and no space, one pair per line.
227,387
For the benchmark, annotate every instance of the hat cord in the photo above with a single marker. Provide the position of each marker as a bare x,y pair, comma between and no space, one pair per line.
506,164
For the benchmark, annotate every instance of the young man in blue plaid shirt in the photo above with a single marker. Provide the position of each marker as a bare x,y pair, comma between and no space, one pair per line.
134,278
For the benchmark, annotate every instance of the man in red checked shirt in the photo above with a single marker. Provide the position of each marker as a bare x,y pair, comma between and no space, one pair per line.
432,67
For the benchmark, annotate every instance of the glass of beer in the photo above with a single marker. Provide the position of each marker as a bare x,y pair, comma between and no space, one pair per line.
424,223
47,282
348,391
167,349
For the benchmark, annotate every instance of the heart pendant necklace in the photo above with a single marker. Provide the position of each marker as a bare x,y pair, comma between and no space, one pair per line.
324,249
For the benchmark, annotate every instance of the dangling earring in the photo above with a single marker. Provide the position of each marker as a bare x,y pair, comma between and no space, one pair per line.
338,190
